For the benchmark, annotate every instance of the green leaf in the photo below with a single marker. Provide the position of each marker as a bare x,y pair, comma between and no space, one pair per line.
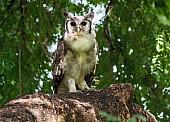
135,117
109,117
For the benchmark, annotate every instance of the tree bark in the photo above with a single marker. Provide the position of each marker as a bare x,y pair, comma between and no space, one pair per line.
83,106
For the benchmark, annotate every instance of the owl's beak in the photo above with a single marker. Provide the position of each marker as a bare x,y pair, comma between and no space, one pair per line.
78,29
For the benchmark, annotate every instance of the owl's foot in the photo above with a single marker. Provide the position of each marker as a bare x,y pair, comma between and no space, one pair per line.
83,86
71,85
72,90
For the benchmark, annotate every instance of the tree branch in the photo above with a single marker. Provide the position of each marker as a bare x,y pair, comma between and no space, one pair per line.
19,68
106,28
78,107
108,36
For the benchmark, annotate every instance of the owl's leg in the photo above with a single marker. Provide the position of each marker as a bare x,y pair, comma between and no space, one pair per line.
62,88
71,85
82,84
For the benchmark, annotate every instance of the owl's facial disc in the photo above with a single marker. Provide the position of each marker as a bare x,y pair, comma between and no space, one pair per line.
78,24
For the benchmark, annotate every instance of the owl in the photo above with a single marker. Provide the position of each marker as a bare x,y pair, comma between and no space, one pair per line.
76,55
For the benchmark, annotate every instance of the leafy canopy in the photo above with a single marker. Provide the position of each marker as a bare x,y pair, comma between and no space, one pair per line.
134,41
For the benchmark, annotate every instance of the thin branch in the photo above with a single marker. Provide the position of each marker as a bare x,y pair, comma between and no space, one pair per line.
108,12
22,11
46,53
19,68
106,28
108,35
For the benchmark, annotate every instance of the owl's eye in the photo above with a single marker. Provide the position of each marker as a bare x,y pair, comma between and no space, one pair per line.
72,23
83,23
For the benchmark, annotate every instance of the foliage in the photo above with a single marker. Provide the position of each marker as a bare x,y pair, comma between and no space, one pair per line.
139,50
117,119
135,117
109,117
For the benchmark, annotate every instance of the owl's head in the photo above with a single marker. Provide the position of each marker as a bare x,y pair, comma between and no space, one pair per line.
78,24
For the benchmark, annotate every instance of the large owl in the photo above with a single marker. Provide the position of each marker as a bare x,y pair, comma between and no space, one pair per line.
76,55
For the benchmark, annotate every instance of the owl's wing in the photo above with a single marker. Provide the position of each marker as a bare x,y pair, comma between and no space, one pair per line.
58,71
90,76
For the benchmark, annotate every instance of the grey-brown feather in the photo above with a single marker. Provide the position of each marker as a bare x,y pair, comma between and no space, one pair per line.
58,72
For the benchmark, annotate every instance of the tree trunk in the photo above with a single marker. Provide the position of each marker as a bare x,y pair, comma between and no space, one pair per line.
75,107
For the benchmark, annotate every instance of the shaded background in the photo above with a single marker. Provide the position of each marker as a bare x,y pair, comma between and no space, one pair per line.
133,36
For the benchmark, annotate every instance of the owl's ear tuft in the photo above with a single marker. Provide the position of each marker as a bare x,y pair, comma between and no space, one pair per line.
90,15
65,14
68,14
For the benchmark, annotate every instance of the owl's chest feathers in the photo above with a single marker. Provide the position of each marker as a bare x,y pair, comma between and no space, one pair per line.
79,63
80,57
80,44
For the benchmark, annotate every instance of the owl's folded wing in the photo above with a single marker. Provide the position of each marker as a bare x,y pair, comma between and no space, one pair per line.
58,72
